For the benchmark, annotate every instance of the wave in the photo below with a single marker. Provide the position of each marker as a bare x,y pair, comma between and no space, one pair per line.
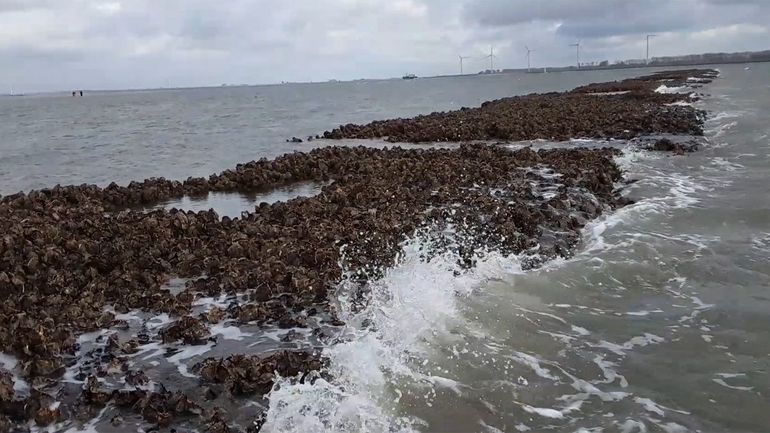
384,344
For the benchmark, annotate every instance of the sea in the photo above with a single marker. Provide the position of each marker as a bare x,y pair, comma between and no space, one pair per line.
660,322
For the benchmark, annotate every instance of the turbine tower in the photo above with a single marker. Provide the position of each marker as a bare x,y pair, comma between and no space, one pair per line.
528,58
577,52
648,47
491,58
461,62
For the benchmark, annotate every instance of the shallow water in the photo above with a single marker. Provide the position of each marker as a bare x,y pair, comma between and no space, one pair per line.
124,136
233,204
660,323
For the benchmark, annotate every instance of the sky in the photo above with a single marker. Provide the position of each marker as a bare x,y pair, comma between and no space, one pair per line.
48,45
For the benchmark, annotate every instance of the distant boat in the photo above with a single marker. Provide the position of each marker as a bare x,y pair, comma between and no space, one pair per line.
409,77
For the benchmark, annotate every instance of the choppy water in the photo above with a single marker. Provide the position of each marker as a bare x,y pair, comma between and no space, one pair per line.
661,323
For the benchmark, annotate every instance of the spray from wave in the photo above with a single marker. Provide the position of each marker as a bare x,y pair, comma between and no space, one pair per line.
384,345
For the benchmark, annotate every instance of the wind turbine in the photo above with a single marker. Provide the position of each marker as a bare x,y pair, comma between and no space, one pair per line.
491,58
577,51
648,46
461,62
528,57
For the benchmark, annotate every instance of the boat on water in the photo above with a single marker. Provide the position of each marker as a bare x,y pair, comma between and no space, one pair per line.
409,77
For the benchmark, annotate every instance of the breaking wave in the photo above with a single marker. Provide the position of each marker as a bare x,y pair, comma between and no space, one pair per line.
384,344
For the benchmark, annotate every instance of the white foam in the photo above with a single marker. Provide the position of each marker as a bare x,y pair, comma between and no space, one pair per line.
731,375
414,300
643,312
208,303
229,332
489,428
608,369
533,363
669,90
620,92
89,427
633,426
723,115
449,384
543,411
726,165
737,388
186,353
722,129
638,341
650,405
8,362
159,321
680,104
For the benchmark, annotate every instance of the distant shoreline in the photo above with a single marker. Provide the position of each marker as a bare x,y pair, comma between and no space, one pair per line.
501,72
598,68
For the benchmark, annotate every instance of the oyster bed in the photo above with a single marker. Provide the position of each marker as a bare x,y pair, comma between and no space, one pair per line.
623,109
98,293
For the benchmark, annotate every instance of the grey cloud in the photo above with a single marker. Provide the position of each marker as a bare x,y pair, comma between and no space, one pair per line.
511,12
21,5
55,44
203,26
603,18
37,56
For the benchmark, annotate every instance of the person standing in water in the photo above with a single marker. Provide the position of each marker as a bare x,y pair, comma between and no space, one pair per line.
81,93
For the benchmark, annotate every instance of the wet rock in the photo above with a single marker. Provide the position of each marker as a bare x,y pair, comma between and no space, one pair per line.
215,315
668,145
93,394
136,378
248,375
217,424
290,336
6,425
187,329
6,386
42,408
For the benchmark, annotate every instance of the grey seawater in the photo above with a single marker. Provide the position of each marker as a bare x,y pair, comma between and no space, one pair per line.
660,323
124,136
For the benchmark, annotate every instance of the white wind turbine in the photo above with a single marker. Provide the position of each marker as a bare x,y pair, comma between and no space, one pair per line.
528,58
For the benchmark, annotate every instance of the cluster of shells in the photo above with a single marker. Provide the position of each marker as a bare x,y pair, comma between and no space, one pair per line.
623,109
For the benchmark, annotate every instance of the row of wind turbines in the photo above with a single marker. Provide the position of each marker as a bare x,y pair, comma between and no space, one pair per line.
492,56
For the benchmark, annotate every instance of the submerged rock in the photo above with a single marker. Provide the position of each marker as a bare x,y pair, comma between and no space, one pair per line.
667,145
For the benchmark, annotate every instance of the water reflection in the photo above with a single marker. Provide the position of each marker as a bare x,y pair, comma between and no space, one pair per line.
231,204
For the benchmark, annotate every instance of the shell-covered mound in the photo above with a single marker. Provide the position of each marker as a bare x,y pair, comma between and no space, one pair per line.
624,109
77,259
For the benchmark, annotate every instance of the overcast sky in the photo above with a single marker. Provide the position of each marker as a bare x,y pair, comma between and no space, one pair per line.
109,44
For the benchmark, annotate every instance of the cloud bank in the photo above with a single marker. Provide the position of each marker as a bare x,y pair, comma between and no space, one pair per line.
113,44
